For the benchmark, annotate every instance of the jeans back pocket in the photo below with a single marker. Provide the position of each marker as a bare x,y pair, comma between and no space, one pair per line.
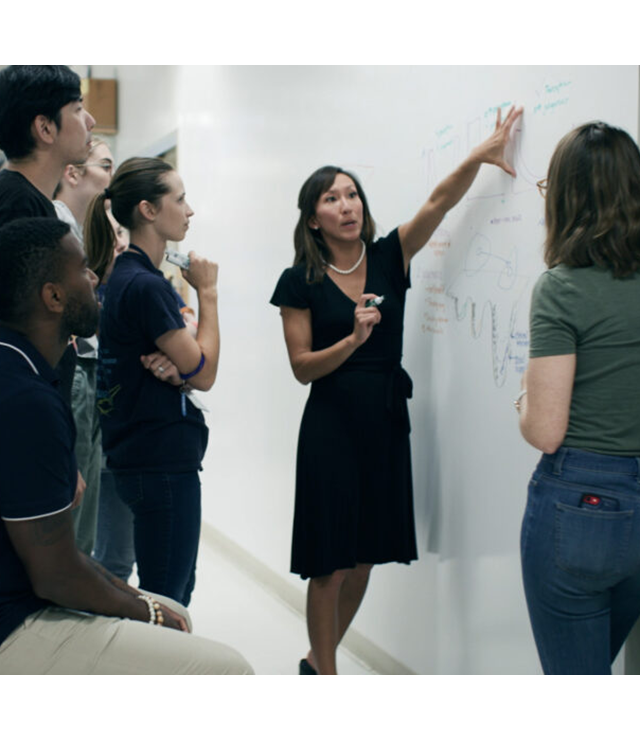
593,544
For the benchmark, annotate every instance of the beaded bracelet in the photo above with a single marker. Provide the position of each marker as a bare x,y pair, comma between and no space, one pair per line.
155,612
152,611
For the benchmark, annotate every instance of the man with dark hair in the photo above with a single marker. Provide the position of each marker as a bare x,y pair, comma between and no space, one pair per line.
43,128
46,294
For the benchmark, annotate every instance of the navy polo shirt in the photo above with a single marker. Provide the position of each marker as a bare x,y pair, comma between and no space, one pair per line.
37,460
20,199
145,426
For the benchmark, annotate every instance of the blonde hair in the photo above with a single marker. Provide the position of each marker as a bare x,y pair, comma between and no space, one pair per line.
95,142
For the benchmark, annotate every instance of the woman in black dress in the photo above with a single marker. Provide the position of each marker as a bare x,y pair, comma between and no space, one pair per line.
354,500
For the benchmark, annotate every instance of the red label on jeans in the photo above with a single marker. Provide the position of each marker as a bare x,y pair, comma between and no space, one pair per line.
591,500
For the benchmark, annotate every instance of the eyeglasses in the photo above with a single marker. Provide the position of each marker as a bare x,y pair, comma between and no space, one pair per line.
106,166
542,187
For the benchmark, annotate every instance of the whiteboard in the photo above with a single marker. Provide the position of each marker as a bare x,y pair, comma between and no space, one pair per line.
248,137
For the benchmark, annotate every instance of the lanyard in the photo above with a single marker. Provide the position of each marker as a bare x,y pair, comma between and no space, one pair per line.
142,253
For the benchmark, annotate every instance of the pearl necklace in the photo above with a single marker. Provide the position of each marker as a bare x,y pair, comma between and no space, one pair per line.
351,269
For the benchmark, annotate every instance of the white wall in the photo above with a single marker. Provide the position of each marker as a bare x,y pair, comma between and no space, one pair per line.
147,109
226,164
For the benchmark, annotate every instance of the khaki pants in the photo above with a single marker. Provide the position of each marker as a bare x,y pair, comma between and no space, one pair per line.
61,641
632,652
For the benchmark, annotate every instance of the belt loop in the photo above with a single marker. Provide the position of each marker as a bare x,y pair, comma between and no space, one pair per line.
558,460
638,470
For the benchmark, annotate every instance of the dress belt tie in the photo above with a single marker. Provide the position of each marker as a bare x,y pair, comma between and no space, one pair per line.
399,388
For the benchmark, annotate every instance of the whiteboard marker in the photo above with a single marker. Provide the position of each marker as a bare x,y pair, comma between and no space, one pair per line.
182,260
374,302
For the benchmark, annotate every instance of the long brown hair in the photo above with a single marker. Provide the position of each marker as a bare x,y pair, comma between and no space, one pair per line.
592,208
137,179
309,245
99,241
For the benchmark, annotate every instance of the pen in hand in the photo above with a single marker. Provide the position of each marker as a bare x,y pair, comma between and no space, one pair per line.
374,302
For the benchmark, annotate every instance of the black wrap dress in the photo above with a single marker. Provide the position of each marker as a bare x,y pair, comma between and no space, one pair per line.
354,494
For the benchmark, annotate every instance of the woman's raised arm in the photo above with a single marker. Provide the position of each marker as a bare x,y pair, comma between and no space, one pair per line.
416,233
186,352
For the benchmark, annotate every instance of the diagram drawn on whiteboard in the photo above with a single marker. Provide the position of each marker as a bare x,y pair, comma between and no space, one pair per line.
487,293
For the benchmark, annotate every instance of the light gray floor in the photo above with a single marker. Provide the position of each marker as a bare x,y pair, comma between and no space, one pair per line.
229,606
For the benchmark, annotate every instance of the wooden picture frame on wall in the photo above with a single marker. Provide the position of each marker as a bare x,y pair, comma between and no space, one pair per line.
101,100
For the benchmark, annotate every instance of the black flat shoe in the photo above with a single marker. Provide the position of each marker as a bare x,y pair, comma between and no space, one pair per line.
306,668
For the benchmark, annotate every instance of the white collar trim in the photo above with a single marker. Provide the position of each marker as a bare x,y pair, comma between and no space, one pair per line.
20,352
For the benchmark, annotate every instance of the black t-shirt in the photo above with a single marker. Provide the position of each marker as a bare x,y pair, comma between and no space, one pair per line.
37,460
332,310
147,424
20,199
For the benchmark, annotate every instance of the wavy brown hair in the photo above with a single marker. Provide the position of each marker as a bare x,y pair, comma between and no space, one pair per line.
592,208
310,247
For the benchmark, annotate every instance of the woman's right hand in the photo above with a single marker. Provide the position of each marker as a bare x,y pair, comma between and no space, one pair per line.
202,273
162,368
364,319
492,149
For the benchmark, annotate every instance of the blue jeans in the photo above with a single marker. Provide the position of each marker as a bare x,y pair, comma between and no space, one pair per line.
114,535
580,548
88,451
167,513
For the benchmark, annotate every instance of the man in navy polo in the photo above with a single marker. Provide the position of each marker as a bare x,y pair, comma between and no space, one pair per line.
60,611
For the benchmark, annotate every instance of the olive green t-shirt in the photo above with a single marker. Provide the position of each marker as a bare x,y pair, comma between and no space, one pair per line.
587,312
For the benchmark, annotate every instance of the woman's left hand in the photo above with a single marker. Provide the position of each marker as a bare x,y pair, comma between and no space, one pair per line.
492,149
162,367
172,619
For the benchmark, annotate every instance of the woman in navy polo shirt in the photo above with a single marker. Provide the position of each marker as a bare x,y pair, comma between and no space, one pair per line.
154,435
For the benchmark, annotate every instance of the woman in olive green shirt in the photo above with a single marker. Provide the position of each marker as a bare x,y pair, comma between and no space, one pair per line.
580,405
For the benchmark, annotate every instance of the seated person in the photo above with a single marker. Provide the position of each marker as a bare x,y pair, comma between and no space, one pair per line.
60,611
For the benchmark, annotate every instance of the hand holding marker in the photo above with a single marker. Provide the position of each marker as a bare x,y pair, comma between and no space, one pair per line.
182,260
374,302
